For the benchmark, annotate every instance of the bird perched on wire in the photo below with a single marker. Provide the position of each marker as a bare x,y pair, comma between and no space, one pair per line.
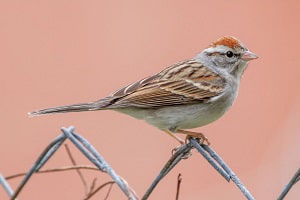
189,94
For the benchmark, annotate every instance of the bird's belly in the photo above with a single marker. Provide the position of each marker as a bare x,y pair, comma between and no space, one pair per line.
191,116
181,117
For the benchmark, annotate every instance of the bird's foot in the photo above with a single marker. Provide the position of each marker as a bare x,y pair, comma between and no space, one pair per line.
190,134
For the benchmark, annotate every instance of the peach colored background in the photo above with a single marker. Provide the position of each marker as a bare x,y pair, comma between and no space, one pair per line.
61,52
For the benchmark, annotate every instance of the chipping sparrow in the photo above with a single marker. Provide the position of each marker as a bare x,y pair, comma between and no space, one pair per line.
186,95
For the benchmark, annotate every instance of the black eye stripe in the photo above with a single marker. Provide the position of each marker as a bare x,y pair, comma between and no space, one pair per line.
223,54
234,54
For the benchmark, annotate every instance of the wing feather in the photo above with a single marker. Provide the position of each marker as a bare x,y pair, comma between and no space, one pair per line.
187,82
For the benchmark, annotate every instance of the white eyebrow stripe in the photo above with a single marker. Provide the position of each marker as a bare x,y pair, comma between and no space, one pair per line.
219,48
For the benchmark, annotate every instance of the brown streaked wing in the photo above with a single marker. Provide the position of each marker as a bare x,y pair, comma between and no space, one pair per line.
187,82
148,80
154,98
133,87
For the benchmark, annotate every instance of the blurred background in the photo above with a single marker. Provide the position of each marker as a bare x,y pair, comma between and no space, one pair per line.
62,52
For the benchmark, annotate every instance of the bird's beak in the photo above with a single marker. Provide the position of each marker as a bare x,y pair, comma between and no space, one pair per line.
248,55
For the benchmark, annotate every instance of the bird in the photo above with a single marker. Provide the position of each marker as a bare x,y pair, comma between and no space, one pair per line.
189,94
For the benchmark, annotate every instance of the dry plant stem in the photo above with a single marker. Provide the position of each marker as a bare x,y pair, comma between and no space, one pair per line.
6,186
219,160
291,183
91,192
90,195
67,168
43,158
91,153
179,179
77,170
93,185
175,158
108,192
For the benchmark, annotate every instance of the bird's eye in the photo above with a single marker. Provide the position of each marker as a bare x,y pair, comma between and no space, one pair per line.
229,54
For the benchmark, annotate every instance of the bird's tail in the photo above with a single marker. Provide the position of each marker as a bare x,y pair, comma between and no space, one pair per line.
97,105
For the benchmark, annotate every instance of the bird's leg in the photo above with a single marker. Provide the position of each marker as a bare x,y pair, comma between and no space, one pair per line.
181,141
195,135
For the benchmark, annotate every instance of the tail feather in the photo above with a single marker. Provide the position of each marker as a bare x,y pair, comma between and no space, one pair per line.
97,105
